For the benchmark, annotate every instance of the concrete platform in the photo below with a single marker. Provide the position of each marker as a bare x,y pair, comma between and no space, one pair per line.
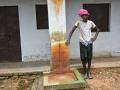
77,82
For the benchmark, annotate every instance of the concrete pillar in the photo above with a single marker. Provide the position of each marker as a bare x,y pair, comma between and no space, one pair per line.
57,31
57,18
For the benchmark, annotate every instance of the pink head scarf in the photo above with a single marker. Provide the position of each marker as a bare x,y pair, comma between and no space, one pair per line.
83,12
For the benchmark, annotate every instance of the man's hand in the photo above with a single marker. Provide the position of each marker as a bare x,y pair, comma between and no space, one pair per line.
96,35
67,42
93,39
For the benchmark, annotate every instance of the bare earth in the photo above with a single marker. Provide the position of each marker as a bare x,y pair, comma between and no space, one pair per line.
104,79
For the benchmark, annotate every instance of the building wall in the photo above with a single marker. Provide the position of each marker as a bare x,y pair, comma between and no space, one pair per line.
107,43
35,44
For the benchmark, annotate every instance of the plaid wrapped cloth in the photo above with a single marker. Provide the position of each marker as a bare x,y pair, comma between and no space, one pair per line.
86,51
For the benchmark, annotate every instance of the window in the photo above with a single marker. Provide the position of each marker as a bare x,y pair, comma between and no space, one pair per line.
42,16
99,14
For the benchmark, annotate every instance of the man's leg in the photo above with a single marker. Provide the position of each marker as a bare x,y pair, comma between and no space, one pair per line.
84,62
89,67
89,59
83,55
84,65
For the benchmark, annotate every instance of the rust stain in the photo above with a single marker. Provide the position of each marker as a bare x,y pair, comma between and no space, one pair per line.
57,5
60,57
61,78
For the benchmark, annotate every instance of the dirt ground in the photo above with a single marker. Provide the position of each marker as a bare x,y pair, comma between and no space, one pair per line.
104,79
17,82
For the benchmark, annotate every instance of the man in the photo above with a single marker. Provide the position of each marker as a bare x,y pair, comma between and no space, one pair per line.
86,40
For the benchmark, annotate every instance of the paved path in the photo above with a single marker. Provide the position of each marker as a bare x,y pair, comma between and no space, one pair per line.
40,66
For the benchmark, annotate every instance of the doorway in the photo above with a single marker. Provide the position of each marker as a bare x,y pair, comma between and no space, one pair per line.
10,46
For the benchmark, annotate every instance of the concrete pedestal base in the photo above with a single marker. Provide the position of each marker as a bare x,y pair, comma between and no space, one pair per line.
63,81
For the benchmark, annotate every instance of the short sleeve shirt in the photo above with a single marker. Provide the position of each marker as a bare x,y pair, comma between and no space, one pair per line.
85,29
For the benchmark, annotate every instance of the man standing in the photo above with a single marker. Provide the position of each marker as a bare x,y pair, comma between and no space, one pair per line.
86,40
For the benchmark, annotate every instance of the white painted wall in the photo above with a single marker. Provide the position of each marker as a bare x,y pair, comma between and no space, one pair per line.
35,44
107,43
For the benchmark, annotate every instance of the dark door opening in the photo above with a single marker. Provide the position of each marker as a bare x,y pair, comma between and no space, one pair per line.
10,46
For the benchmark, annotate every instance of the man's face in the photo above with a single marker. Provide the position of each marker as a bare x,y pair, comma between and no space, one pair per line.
85,17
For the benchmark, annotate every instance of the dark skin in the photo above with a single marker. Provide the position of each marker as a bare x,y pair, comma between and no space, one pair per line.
85,19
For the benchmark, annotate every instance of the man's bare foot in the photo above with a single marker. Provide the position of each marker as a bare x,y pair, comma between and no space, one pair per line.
89,75
85,75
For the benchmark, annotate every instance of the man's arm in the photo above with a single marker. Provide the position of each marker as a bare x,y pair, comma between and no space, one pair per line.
96,34
70,35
